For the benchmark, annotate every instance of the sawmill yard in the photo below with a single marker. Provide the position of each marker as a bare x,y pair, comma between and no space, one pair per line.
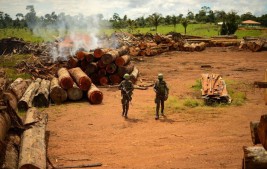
190,136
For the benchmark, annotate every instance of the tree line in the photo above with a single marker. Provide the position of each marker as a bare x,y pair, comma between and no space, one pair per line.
204,15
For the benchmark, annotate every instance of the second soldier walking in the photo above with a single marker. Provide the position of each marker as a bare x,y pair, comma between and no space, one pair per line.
126,87
162,91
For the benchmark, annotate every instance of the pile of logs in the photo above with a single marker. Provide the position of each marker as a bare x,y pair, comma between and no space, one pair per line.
70,84
252,43
105,66
256,156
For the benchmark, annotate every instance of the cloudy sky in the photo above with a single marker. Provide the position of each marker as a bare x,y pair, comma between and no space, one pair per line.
131,8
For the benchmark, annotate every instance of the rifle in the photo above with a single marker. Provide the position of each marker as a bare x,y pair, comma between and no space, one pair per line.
127,94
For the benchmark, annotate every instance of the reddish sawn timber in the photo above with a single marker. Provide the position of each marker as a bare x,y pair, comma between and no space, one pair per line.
81,79
122,60
65,80
98,53
94,95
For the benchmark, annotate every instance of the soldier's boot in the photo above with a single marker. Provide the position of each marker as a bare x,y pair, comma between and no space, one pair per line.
126,110
162,108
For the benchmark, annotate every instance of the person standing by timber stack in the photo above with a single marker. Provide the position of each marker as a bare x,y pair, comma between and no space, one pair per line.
162,92
126,87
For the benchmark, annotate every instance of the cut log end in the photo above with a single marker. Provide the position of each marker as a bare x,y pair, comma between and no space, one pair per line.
96,97
58,95
66,83
85,83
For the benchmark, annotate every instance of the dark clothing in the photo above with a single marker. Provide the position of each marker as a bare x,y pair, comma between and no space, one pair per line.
162,91
126,87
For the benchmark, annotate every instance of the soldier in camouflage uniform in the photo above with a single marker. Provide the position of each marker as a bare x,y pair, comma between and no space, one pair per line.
162,92
126,87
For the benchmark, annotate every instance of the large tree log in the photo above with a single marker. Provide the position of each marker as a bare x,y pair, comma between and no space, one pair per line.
73,62
84,64
122,60
65,80
98,53
134,51
254,158
123,50
11,155
11,97
26,101
91,68
110,56
81,79
75,93
103,80
80,55
255,46
18,87
111,68
100,64
5,124
115,79
94,95
262,131
134,74
33,147
125,69
57,94
89,57
41,98
254,132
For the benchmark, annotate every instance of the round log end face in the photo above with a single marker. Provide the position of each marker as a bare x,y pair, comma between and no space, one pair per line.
115,79
98,53
103,80
75,94
85,83
58,95
119,61
80,55
96,97
22,106
40,101
66,83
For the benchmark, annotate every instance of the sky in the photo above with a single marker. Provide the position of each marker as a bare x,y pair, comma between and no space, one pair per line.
132,8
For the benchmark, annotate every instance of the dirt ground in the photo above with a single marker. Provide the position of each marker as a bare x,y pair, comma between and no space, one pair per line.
187,138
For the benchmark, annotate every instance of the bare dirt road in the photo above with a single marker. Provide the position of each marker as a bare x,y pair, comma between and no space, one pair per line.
187,138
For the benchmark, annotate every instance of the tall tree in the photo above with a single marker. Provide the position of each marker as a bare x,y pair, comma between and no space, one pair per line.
185,24
190,15
155,19
168,20
174,21
31,17
247,16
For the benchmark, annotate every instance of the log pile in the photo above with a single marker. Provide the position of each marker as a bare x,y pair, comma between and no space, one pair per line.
103,66
253,44
256,156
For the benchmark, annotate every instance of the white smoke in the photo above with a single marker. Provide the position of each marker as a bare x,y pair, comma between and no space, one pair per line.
72,33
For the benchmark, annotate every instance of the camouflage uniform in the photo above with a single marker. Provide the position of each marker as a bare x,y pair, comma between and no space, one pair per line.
126,87
162,92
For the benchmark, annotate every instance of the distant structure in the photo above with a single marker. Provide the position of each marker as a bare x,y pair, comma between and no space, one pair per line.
250,23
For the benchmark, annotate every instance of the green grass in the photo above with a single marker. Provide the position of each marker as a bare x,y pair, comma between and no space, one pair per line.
204,30
9,63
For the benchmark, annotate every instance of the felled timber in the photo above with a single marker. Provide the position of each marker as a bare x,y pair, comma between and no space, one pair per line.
262,131
123,50
89,57
123,60
84,64
81,79
57,94
94,95
125,69
134,51
33,147
110,56
91,68
80,55
65,80
254,158
101,64
41,98
103,80
115,78
11,155
5,124
254,132
75,93
98,53
134,74
18,87
73,62
111,68
26,101
255,46
11,97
